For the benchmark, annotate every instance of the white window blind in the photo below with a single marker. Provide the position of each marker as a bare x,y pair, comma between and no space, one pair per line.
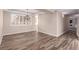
17,19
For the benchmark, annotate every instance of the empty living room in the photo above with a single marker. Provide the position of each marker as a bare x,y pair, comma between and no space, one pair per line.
39,29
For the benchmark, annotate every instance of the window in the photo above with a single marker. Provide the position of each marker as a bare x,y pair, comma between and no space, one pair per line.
70,21
17,19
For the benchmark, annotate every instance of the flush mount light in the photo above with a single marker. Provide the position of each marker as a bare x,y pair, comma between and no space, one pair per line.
27,16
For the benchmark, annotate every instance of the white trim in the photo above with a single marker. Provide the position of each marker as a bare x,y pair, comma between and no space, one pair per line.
48,33
54,34
61,33
17,32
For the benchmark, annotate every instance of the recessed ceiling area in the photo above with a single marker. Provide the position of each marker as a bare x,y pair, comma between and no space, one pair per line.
41,11
65,11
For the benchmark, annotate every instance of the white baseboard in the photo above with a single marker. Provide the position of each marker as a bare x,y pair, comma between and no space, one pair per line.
48,33
15,33
54,34
62,33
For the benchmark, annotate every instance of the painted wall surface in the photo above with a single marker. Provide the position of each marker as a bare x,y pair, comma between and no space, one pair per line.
62,24
47,23
52,24
1,25
16,29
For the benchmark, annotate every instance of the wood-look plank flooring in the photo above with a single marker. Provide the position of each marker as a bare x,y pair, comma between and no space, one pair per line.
40,41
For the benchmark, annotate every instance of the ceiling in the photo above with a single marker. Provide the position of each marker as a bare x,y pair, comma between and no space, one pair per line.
39,11
66,11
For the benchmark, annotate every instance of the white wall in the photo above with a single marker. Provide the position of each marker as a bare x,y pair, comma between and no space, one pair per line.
62,24
47,23
16,29
1,25
52,24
